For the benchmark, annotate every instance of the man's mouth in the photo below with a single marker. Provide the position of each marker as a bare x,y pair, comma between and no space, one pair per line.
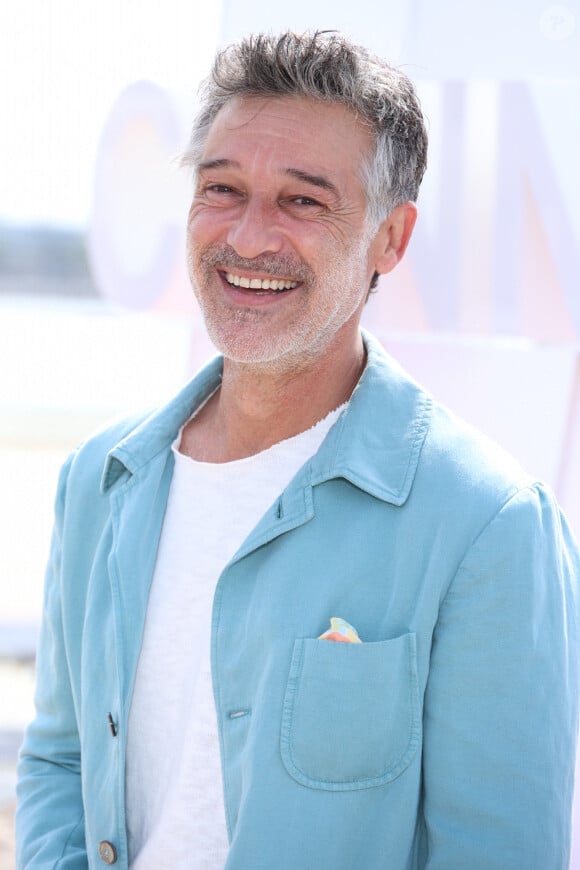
260,285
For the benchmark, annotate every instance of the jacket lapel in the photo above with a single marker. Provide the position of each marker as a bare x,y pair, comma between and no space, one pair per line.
137,508
137,478
294,508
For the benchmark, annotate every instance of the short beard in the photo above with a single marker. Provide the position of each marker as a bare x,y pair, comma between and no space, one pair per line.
277,352
224,258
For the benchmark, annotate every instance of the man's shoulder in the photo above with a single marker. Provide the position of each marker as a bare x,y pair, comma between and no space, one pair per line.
87,461
443,456
464,459
464,480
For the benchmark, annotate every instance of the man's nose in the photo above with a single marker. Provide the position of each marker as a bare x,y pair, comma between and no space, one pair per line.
256,230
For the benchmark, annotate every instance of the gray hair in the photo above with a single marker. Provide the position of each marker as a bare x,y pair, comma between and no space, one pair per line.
326,66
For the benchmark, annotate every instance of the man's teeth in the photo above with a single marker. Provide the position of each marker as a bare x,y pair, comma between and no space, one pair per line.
258,284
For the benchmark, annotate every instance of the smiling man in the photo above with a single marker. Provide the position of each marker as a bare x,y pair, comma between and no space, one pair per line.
282,253
302,616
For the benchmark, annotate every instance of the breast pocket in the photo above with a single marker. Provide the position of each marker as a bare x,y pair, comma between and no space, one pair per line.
351,712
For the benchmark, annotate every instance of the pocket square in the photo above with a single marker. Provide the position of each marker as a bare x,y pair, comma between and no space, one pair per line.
340,630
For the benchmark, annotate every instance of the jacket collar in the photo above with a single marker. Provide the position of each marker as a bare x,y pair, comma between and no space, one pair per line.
375,444
159,430
377,441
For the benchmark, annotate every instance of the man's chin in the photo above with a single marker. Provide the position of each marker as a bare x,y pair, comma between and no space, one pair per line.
281,353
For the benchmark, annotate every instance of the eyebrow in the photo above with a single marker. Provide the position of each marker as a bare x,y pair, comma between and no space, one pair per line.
300,174
219,163
315,180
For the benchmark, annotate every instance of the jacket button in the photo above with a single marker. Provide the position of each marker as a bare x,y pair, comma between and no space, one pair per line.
107,852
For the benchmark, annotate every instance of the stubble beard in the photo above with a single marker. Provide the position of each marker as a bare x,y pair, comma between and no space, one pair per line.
245,335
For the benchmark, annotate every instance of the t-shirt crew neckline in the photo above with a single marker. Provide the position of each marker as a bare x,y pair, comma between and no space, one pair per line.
269,453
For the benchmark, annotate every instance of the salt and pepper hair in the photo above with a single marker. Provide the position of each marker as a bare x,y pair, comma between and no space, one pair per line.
327,66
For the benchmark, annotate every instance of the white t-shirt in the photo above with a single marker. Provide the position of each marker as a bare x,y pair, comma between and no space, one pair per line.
174,798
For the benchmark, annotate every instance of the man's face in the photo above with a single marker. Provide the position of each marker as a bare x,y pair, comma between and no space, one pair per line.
279,254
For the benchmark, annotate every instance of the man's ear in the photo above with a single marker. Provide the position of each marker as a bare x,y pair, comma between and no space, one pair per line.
393,237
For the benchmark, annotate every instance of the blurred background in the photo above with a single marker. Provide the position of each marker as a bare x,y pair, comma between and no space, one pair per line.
96,315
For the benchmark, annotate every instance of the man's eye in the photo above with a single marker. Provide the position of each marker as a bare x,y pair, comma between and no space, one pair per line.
305,200
217,193
218,189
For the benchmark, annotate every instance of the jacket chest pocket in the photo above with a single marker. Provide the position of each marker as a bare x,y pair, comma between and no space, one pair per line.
351,712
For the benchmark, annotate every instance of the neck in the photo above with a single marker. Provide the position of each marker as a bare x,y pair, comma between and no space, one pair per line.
258,406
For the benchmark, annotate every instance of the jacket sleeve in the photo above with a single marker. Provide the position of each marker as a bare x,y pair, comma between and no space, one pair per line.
49,815
501,704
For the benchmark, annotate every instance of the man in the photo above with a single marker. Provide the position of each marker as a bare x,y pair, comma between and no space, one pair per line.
197,707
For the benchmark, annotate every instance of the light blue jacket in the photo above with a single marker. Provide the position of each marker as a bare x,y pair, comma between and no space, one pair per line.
444,741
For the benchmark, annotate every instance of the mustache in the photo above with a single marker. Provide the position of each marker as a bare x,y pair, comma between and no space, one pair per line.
282,266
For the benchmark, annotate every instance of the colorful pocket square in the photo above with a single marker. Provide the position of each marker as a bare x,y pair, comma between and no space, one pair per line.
341,630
